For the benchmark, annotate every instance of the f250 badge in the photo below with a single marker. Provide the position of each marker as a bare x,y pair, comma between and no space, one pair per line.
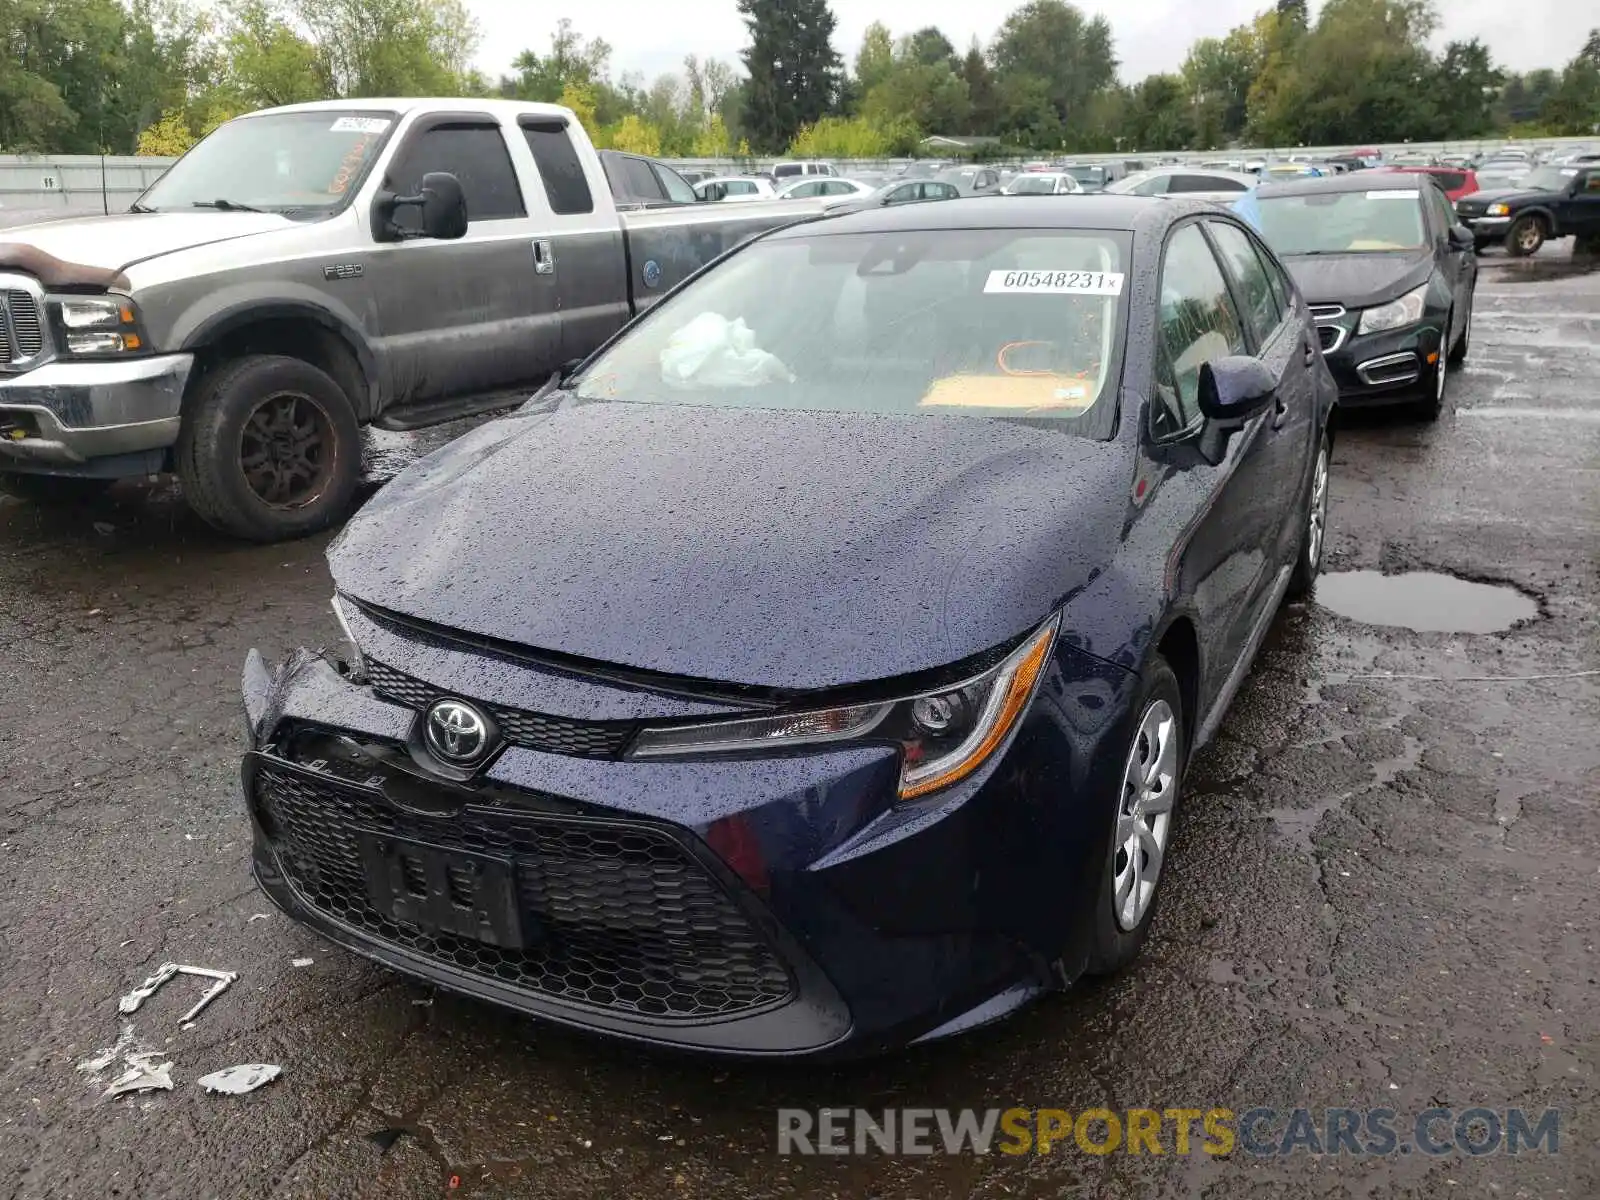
342,271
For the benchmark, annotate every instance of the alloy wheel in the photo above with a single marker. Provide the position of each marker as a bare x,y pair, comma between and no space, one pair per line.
1144,818
1317,521
286,450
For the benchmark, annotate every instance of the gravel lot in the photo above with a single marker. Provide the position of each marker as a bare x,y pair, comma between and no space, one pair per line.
1384,891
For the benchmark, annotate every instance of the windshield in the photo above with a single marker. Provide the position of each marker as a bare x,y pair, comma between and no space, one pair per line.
1343,222
1087,174
1032,185
295,163
983,323
1548,179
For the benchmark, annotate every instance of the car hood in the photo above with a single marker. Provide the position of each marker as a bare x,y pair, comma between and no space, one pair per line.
115,242
1359,280
773,549
1499,193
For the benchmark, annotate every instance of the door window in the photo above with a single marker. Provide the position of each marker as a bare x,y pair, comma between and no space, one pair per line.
740,187
641,182
1204,183
1261,308
565,184
1590,185
1451,180
677,188
476,155
1198,325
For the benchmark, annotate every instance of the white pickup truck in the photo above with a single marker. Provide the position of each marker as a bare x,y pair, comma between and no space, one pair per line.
305,270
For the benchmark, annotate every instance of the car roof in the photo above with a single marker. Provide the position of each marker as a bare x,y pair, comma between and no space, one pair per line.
1133,214
1358,181
443,104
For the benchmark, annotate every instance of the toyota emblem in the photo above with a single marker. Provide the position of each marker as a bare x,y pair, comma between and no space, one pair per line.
458,734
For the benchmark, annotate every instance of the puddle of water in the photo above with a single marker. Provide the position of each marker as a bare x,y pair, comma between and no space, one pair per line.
1424,601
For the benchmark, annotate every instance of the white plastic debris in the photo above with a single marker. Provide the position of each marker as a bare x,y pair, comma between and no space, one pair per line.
98,1064
301,962
236,1081
258,917
712,351
130,1003
144,1074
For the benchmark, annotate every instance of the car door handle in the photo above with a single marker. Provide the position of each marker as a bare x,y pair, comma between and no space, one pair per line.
544,259
1280,412
1313,348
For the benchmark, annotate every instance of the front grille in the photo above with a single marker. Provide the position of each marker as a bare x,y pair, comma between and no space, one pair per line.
1330,336
21,329
533,731
629,919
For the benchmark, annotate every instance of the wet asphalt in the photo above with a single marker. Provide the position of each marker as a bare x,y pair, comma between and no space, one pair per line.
1384,889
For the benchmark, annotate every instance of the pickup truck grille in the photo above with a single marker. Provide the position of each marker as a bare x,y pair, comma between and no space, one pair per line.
21,329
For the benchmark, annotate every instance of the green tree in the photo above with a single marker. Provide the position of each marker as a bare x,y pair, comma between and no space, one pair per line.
572,60
390,47
1217,75
1523,97
932,98
268,61
1158,115
930,48
875,59
793,69
1049,61
1574,107
981,95
1466,83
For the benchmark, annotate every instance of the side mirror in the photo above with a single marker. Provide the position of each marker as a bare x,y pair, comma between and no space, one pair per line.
1234,389
1462,238
443,205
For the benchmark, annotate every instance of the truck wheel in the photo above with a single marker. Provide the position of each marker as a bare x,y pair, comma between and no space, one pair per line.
1525,236
52,489
270,449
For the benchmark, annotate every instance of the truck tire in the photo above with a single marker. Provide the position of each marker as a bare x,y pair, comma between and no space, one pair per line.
1526,235
270,449
52,489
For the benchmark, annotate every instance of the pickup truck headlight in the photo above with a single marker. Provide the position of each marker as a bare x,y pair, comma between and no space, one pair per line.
1498,210
944,735
96,325
1405,311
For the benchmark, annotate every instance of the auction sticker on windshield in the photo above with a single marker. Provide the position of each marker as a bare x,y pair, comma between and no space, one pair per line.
1399,194
359,125
1082,283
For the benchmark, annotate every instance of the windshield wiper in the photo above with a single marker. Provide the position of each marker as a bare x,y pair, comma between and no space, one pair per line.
224,206
139,208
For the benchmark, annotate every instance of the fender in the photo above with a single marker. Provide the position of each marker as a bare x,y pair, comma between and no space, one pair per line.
1539,210
224,321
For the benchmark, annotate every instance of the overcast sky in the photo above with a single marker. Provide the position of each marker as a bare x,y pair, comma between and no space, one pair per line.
650,36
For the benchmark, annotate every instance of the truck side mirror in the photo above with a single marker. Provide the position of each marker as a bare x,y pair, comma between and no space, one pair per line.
443,205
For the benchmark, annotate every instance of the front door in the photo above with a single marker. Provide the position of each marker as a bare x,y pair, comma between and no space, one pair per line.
467,317
1579,212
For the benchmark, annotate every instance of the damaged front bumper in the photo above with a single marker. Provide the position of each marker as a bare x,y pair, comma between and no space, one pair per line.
780,906
83,416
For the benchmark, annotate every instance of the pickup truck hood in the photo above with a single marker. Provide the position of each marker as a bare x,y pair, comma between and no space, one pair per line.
1359,280
106,245
788,550
1480,200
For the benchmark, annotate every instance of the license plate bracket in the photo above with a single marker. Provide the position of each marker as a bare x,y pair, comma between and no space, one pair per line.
439,889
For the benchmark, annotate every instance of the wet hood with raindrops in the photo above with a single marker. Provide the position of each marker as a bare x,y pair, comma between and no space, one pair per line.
781,549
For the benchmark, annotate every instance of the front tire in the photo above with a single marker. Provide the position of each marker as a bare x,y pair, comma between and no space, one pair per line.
270,449
1314,529
1125,901
53,489
1526,236
1432,403
1458,353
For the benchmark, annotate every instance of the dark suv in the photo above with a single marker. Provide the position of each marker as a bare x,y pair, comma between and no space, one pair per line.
1549,202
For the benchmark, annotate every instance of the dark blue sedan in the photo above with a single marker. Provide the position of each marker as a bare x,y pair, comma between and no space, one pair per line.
814,669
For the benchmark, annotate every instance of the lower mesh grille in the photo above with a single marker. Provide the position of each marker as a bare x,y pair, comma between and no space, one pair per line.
534,731
628,918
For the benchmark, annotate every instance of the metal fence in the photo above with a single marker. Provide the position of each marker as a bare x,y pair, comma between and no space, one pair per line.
37,187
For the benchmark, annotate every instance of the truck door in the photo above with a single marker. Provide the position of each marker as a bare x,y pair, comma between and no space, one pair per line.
1579,212
467,317
587,263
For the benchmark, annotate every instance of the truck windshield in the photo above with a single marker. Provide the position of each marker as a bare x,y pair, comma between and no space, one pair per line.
985,323
300,164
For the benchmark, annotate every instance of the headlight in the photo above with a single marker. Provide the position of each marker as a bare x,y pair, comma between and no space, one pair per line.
357,661
1497,210
99,324
1405,311
944,735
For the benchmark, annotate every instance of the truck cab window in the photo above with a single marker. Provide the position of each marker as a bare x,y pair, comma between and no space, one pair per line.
565,185
476,155
678,189
640,182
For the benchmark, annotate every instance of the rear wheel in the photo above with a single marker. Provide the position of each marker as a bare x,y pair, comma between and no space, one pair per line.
1125,902
270,449
1315,531
52,489
1525,236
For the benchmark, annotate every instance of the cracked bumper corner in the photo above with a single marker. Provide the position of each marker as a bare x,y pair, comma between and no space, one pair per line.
66,414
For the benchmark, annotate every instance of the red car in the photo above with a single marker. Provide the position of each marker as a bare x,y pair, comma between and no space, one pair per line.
1456,181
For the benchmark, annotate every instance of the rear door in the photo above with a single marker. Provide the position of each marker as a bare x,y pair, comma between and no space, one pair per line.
1580,211
459,318
581,263
1280,335
1458,266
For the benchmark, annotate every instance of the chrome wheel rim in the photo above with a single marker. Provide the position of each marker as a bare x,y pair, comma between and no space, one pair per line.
1528,237
1144,818
1317,522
